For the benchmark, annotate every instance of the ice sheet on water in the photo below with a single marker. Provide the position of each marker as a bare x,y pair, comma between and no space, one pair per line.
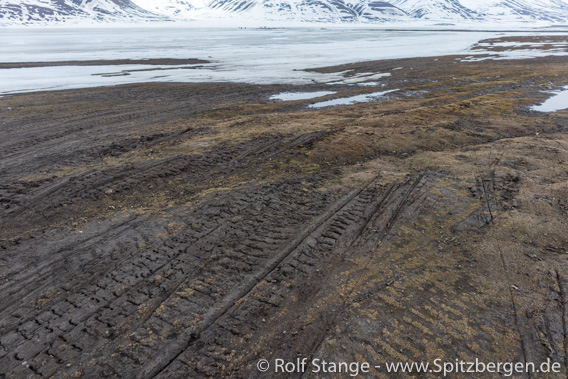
237,55
258,56
289,96
364,98
369,84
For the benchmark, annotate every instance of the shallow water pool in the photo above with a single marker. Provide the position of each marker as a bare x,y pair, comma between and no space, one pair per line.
556,103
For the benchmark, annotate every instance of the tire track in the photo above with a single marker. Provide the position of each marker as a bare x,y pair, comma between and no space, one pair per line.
178,347
82,314
324,245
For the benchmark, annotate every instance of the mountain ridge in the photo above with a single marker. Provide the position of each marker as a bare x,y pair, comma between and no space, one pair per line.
73,11
319,11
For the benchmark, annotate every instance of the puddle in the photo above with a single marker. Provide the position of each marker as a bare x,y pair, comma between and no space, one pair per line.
364,98
557,102
289,96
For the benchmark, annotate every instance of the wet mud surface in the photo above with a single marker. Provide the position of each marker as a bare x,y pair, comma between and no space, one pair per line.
189,230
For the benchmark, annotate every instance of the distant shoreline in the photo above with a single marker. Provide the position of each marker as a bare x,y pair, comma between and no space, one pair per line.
105,62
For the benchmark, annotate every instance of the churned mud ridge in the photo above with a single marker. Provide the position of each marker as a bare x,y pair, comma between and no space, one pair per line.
190,230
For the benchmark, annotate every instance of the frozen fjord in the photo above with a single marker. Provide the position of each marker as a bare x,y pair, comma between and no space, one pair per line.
261,56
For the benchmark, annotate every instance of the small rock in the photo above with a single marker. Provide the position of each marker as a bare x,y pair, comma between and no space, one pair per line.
311,242
534,257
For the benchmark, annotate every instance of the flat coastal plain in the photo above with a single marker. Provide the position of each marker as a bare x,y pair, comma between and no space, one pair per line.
179,230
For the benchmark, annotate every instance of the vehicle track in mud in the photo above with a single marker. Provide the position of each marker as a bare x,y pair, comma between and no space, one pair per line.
117,292
362,216
200,281
112,284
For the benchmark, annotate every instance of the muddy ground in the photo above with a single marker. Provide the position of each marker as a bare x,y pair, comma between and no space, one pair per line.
189,230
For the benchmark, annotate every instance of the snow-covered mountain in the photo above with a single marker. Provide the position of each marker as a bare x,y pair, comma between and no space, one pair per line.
435,9
332,11
175,8
335,11
520,10
24,12
366,11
